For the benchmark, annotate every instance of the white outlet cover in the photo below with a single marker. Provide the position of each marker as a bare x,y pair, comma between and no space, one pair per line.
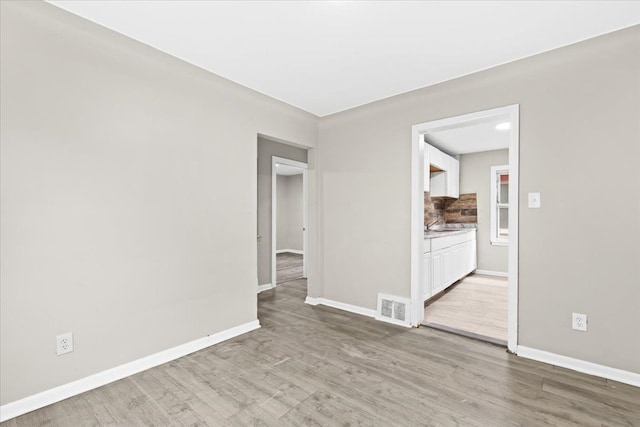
579,322
64,343
534,200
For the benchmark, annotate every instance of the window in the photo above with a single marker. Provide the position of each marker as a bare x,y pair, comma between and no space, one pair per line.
500,205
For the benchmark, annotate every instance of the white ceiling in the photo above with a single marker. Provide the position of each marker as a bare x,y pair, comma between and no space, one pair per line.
473,137
287,170
326,57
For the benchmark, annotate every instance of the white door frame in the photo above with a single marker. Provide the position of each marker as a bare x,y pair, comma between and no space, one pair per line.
417,210
275,160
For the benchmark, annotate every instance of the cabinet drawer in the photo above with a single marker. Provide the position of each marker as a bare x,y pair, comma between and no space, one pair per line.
446,241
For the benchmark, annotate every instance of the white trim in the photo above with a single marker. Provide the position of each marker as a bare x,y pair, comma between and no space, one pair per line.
417,209
305,220
417,223
274,224
583,366
514,228
341,306
492,273
313,301
392,321
493,203
42,399
265,287
292,251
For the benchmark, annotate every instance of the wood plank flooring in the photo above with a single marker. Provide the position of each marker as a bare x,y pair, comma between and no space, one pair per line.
288,267
317,366
476,305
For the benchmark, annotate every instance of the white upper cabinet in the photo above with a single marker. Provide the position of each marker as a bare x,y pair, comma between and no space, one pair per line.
443,172
453,178
436,157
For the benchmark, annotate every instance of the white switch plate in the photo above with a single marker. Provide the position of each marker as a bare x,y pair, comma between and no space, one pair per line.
534,200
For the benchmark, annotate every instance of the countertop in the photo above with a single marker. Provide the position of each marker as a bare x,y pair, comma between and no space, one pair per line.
447,232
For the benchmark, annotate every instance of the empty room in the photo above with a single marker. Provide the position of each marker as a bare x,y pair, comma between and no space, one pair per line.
323,213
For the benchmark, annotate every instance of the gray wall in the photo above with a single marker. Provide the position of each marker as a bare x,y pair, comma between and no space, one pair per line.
266,150
475,172
579,121
290,213
128,197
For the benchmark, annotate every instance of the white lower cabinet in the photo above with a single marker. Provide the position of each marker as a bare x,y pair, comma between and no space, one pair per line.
437,275
426,279
438,282
453,259
448,266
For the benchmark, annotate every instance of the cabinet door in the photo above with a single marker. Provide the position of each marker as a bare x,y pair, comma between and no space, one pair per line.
457,262
466,264
453,178
448,266
437,274
438,184
437,158
426,278
474,255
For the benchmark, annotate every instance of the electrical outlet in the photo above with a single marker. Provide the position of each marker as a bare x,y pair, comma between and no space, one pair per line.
579,322
64,343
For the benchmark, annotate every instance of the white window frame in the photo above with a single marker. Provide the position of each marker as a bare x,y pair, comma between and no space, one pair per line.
496,171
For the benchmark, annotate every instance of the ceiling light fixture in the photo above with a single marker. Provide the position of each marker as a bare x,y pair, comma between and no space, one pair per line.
503,126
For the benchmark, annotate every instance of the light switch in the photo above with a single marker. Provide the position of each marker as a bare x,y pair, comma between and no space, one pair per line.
534,200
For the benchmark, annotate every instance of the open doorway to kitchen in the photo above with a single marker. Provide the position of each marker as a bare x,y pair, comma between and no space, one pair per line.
282,214
464,228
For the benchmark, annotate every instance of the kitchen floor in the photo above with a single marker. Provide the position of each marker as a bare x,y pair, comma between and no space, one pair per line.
476,306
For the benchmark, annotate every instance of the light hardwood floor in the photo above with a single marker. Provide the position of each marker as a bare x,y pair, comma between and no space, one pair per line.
318,366
475,306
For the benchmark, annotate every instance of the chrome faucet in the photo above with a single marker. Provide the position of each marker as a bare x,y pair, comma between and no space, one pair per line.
429,225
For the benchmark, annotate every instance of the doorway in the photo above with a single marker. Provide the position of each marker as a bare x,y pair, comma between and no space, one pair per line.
289,220
272,155
426,135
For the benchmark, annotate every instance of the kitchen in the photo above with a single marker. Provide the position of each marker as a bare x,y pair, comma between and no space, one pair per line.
464,285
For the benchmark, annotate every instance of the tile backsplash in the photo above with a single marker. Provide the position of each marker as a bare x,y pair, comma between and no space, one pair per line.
451,211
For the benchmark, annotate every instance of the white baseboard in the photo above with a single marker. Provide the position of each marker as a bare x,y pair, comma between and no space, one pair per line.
39,400
392,321
292,251
265,287
353,309
590,368
341,306
492,273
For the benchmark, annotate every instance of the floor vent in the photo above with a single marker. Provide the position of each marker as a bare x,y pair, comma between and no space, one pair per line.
393,309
